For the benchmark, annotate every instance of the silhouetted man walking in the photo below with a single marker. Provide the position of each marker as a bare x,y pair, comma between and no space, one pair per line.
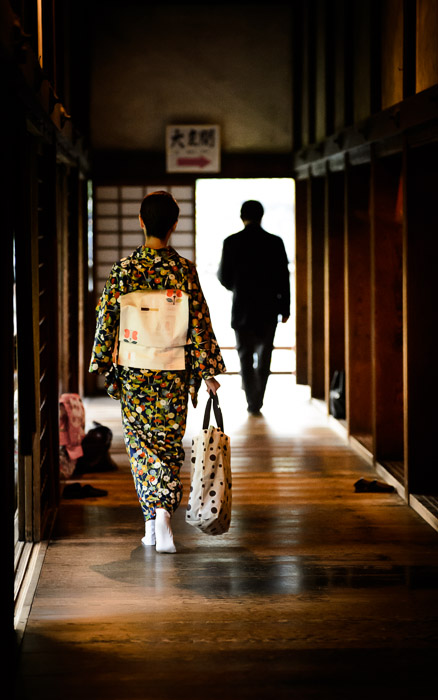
254,267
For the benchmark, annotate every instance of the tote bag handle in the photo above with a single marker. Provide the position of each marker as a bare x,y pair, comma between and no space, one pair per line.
213,400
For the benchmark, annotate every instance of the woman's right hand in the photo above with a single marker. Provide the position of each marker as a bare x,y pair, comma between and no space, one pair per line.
212,385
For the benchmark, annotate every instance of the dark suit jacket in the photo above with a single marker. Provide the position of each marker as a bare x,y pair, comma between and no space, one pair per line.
254,267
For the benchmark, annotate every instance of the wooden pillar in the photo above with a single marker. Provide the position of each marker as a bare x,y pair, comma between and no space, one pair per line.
72,273
334,278
297,75
46,282
387,313
82,222
409,47
420,234
10,206
301,281
315,285
27,310
64,277
358,303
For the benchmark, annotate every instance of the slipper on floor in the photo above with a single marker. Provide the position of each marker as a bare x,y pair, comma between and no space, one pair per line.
72,491
78,491
89,491
374,486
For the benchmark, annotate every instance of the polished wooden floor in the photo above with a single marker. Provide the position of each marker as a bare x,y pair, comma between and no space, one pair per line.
316,591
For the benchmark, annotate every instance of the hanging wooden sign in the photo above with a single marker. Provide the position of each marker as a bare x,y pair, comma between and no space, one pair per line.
193,148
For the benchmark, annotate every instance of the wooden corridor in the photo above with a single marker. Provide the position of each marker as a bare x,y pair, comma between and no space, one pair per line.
316,591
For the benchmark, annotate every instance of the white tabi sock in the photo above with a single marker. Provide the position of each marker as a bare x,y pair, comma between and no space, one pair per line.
163,532
149,536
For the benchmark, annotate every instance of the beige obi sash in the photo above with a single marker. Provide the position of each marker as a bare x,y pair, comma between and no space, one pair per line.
153,329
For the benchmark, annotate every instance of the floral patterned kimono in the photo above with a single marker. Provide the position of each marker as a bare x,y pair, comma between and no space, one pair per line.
154,402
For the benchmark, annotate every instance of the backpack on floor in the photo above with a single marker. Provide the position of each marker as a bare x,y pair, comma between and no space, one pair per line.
95,446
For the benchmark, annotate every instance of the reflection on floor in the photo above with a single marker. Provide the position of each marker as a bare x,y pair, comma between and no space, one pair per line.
316,591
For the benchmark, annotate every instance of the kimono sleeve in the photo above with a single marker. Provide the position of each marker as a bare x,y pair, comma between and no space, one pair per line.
105,338
206,357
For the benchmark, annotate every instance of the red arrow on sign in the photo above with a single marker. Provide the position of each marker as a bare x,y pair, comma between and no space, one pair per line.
200,162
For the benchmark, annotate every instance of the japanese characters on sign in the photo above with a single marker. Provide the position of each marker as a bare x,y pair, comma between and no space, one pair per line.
193,148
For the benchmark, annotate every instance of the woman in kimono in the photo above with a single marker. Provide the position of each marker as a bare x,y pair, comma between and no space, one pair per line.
155,345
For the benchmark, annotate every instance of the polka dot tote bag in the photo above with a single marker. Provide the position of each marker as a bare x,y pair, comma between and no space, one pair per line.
209,506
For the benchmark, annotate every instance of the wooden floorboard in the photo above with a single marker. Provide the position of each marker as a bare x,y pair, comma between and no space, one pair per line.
315,592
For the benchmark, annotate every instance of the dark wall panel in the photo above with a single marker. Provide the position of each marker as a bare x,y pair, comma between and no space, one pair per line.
421,317
358,302
315,285
334,277
301,291
387,308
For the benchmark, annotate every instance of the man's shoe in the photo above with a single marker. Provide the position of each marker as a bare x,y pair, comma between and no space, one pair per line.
254,412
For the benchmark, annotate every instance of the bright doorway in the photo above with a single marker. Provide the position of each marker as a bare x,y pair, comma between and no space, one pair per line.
218,203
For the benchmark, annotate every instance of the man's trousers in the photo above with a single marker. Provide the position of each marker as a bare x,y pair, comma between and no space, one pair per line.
255,350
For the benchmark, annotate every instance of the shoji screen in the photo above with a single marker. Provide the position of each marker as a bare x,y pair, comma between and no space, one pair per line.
117,230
